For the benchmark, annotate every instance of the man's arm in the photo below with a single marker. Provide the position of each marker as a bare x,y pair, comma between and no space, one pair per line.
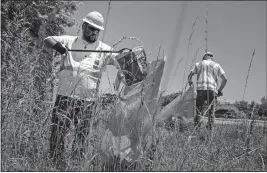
52,42
192,72
49,42
224,81
190,78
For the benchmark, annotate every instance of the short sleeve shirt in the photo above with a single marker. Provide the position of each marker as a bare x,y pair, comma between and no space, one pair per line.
208,73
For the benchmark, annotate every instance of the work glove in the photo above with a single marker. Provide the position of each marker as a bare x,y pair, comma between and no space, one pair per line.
59,48
220,93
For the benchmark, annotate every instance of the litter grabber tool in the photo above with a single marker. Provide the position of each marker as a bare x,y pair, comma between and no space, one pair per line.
62,49
100,51
132,62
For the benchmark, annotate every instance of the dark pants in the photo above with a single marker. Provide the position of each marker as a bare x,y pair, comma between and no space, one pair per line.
202,96
69,111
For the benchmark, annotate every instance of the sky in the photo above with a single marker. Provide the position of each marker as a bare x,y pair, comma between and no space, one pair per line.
235,29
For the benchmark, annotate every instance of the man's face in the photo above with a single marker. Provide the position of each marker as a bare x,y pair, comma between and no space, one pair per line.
90,33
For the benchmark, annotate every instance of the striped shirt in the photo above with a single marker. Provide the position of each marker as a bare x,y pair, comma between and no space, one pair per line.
208,73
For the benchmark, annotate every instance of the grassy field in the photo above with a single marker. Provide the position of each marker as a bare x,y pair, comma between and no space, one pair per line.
26,104
222,121
178,148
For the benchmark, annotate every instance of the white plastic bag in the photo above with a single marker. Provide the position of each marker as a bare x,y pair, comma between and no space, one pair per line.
131,119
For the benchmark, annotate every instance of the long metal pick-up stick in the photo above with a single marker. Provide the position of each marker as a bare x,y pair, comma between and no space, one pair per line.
99,51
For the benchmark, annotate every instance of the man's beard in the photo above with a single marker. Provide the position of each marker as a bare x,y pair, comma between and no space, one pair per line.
90,38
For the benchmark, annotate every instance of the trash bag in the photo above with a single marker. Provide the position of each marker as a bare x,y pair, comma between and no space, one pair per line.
131,119
182,106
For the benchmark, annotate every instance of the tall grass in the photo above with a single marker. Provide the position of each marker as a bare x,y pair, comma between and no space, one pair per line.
25,132
25,148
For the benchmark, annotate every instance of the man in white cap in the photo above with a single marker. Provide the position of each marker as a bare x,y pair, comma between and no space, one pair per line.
208,72
79,75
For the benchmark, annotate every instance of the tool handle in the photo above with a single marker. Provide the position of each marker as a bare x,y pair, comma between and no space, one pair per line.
99,51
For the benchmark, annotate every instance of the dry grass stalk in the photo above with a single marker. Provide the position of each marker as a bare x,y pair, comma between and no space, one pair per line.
188,48
262,161
248,74
206,31
176,70
195,57
249,131
154,114
124,38
106,23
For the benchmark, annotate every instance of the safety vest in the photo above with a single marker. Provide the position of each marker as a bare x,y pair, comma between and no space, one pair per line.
80,71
